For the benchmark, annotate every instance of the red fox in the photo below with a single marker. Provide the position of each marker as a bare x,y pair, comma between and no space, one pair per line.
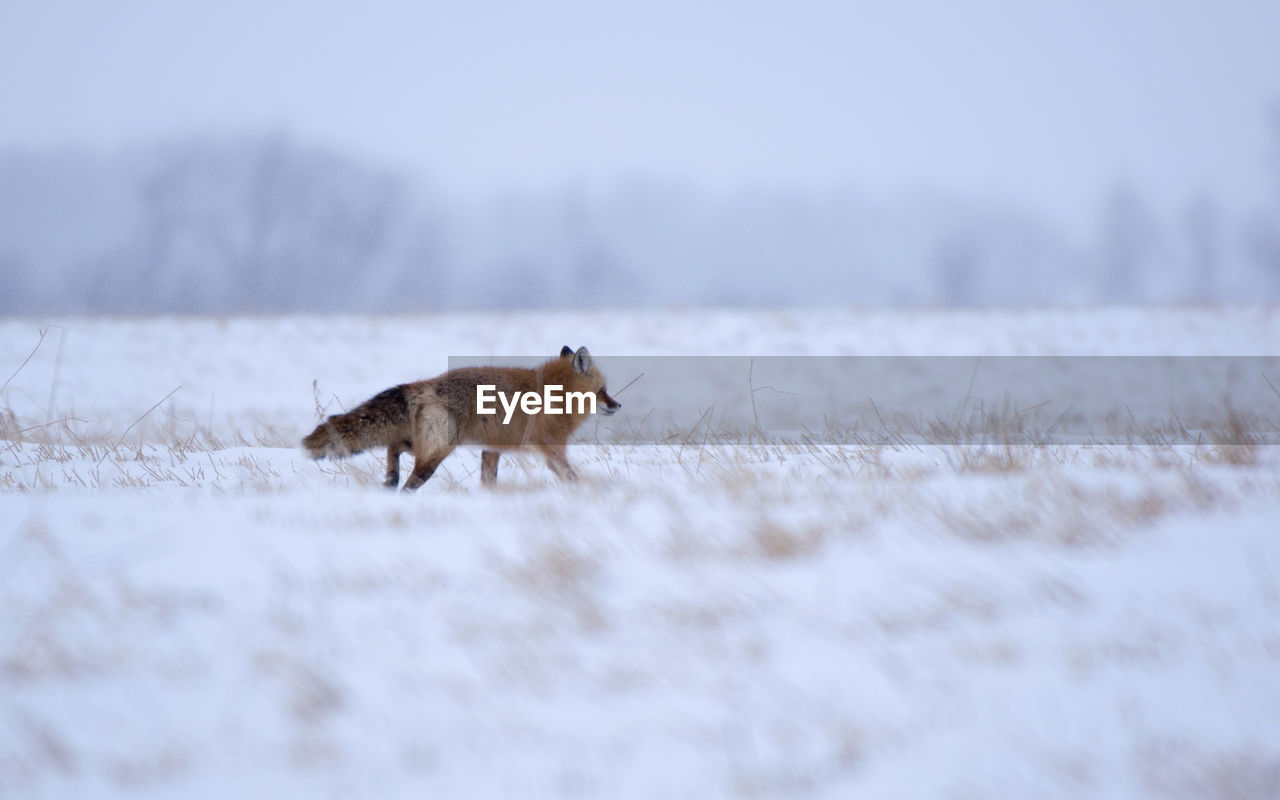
499,408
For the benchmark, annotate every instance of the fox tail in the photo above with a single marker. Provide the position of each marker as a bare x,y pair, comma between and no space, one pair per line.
375,422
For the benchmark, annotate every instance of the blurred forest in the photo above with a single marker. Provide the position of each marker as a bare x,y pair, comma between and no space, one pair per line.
268,224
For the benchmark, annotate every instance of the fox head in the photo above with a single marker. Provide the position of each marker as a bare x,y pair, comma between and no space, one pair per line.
587,378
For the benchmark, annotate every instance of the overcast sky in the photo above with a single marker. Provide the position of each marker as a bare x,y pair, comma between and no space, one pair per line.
1044,104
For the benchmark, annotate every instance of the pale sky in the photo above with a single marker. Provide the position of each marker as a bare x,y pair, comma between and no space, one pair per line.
1041,104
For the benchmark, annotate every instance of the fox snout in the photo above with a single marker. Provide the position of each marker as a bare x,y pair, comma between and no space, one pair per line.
611,406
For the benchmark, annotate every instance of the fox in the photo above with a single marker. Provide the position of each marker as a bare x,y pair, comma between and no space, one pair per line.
431,418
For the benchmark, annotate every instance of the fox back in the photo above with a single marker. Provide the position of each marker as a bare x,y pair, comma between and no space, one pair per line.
459,389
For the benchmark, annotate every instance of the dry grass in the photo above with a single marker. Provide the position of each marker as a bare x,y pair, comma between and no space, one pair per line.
1074,512
1046,493
555,565
1002,458
1236,441
168,447
955,603
44,750
563,576
1184,769
772,539
146,770
312,696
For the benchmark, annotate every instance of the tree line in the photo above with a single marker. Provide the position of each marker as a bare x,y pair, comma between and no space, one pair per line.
268,225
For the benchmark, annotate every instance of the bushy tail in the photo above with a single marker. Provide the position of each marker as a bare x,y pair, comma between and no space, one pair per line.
336,437
379,421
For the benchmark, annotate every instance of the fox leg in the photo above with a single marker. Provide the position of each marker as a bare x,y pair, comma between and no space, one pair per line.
558,461
423,469
433,440
393,463
489,467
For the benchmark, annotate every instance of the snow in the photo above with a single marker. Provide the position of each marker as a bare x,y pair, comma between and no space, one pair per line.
190,606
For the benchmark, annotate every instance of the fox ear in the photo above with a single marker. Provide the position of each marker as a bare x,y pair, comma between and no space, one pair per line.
581,361
566,351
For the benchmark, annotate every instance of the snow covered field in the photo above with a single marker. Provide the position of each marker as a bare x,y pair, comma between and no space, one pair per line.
191,607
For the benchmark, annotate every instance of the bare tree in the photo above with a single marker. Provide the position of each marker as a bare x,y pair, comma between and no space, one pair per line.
1127,233
264,225
1203,221
956,263
1264,239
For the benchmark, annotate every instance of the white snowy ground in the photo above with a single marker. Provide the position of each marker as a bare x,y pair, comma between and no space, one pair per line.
191,607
